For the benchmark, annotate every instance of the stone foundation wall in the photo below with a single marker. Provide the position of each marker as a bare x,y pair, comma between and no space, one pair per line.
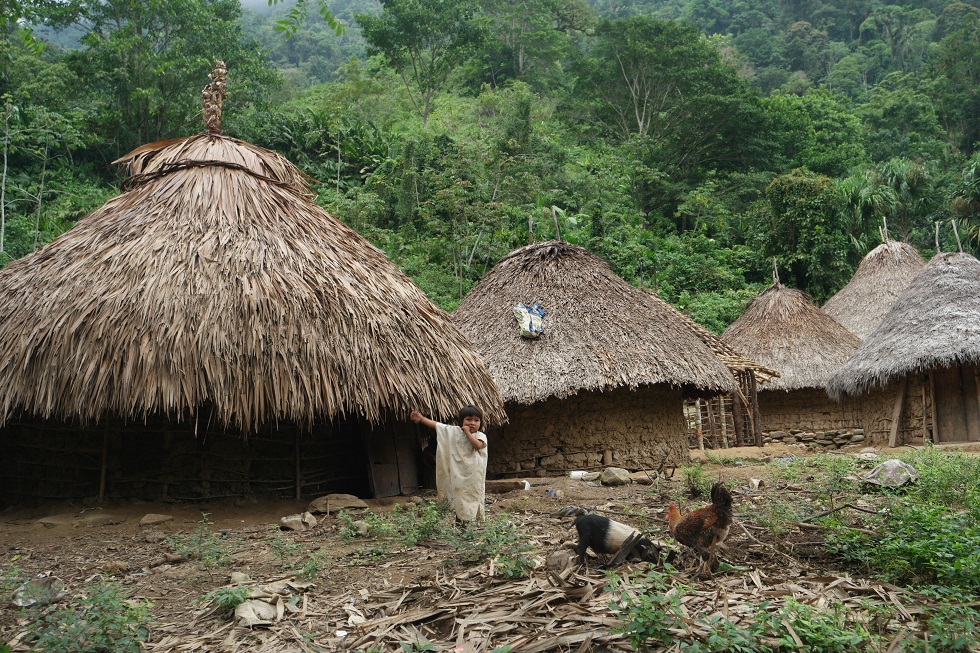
632,429
810,417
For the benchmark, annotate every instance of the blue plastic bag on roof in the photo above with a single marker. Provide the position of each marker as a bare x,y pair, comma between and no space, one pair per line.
530,319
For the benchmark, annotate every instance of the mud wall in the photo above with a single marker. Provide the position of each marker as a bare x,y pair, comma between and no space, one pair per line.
626,428
915,426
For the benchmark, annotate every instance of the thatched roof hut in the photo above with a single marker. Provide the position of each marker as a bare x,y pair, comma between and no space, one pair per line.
783,330
214,287
880,278
935,323
605,344
930,336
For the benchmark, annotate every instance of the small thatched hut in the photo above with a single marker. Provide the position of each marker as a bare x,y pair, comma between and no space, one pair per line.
881,277
918,371
604,383
211,331
784,331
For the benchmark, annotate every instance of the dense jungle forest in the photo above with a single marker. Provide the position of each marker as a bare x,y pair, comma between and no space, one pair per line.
690,143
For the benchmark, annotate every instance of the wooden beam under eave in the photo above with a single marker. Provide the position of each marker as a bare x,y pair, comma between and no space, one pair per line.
897,413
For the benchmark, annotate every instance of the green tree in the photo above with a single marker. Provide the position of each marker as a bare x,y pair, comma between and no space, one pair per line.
803,228
424,41
146,62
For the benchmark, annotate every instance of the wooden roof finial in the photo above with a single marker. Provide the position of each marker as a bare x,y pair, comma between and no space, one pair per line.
212,96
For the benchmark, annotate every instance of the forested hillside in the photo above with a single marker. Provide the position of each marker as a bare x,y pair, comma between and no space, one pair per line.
687,142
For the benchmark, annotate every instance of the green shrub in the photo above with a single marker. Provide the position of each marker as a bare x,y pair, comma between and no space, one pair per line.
101,620
227,598
697,481
203,545
497,538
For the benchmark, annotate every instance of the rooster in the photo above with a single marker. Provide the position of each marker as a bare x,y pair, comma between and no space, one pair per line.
704,529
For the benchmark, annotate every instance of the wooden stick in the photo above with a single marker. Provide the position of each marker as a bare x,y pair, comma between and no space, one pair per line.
105,463
897,413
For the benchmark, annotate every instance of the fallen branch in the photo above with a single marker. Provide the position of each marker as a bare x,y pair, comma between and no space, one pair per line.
838,509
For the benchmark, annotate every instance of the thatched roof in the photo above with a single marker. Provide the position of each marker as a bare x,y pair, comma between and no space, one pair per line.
880,278
781,329
935,323
733,360
214,286
600,332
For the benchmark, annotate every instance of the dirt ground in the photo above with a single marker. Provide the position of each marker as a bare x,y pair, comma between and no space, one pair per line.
360,602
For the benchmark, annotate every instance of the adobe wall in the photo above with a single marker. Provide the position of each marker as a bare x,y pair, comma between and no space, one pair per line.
633,429
916,423
810,417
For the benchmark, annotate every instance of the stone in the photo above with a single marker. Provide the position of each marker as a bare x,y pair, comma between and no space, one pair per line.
238,577
152,519
334,502
57,520
614,476
641,478
303,521
857,437
153,536
91,521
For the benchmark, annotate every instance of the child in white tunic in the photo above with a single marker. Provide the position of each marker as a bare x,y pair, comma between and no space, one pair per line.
461,462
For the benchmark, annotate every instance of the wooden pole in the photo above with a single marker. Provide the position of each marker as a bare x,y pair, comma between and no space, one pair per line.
935,422
724,421
897,413
925,413
756,416
699,424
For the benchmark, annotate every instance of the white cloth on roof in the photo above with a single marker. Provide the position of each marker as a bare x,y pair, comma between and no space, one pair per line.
461,471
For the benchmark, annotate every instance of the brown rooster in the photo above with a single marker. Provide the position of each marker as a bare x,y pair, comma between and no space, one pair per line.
705,528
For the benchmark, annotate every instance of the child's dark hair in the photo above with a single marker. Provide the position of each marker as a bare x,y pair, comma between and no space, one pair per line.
469,411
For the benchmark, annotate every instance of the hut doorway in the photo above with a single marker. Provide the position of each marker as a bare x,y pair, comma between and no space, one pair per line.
957,399
394,462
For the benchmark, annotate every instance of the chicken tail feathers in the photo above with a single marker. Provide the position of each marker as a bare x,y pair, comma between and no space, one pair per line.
721,498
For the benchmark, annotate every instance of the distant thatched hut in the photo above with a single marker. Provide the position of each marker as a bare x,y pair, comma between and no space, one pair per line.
880,278
918,371
211,331
784,331
605,381
711,416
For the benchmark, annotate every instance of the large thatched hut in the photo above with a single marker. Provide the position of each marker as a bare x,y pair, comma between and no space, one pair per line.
211,331
881,277
604,383
784,331
917,372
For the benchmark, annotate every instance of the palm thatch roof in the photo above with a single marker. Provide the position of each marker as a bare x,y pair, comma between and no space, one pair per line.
600,332
214,286
733,360
784,331
935,323
880,278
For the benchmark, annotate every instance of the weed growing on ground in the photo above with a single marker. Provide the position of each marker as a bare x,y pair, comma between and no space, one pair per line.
697,481
497,537
100,620
203,544
949,623
945,478
282,547
226,599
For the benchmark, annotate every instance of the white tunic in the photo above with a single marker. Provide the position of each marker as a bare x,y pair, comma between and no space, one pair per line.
461,471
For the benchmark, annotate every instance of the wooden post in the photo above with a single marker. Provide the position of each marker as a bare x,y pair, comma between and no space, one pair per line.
756,416
712,422
738,420
897,413
699,424
724,421
935,422
925,412
105,462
